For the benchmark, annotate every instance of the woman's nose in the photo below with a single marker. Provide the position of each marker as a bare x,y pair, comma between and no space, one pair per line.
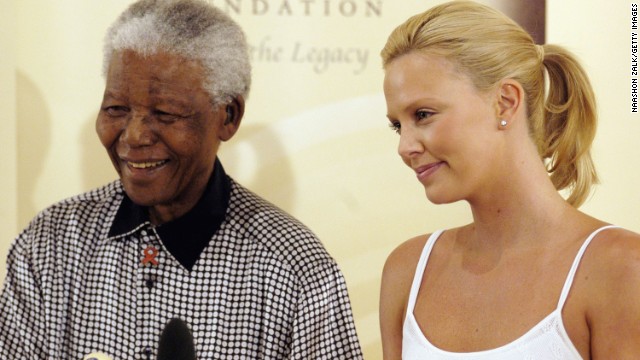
409,144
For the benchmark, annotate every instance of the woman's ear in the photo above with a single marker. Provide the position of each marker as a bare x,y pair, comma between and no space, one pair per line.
510,101
234,111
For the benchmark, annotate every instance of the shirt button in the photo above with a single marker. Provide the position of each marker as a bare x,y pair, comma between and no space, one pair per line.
149,283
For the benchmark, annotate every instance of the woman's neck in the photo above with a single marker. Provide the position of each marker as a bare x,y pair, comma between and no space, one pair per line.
521,204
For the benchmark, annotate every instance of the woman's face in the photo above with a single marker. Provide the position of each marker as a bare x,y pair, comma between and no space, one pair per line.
160,130
446,127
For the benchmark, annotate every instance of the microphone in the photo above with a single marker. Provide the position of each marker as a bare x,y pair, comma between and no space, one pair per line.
176,342
97,356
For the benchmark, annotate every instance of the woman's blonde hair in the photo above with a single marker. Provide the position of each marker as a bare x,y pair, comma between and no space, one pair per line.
488,47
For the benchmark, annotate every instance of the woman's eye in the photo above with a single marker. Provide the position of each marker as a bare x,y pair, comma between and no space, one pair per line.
395,126
423,114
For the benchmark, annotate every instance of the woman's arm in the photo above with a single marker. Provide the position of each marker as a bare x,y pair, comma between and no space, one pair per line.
397,277
613,308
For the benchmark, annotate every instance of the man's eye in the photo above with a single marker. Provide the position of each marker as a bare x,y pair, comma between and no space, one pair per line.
116,111
166,117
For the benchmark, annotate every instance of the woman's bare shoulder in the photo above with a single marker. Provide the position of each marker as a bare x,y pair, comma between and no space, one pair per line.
612,256
613,252
397,277
611,279
406,253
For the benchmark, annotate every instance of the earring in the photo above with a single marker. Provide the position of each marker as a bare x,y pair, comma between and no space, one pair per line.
503,123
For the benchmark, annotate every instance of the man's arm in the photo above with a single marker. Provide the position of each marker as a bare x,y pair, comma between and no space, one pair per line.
324,327
22,315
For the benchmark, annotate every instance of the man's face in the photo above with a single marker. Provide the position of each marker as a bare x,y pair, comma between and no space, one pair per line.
160,129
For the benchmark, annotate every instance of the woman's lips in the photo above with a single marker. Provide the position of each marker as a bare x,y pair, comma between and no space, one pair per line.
425,171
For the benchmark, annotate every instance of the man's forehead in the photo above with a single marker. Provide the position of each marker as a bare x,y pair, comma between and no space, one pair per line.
158,68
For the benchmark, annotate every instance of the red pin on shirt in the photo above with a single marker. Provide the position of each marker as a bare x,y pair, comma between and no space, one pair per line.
150,254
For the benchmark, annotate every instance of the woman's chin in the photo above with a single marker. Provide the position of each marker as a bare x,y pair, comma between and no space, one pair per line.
440,198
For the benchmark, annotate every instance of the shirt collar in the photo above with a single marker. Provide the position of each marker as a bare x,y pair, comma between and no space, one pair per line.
204,218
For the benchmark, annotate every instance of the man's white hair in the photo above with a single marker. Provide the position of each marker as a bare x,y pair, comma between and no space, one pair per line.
192,29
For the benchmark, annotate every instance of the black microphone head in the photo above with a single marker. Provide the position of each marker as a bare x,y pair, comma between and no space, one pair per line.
176,342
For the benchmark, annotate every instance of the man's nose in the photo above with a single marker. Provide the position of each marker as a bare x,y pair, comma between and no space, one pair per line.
139,130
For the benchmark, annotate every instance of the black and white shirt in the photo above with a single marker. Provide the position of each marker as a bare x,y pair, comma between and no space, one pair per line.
92,274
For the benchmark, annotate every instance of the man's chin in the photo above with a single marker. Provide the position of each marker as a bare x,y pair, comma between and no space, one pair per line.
142,195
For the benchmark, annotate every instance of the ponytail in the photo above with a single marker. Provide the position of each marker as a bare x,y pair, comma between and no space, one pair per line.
569,125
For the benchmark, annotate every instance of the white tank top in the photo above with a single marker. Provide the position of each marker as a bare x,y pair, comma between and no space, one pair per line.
547,340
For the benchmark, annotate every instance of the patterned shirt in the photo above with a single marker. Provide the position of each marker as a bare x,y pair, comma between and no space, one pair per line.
92,274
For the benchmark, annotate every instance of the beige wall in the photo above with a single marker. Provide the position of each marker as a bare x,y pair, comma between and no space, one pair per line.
314,141
8,139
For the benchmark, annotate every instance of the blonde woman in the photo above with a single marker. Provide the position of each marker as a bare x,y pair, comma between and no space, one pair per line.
531,277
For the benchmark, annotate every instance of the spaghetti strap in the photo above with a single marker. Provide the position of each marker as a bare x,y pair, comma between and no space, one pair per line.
422,264
576,263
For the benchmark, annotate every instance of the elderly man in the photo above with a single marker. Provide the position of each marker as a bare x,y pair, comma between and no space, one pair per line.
174,237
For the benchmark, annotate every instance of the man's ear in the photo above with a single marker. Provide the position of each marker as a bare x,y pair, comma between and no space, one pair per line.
234,111
510,101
